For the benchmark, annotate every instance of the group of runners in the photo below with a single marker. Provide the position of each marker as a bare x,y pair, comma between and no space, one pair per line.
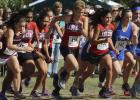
109,39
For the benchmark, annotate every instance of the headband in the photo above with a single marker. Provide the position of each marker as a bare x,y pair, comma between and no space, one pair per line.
136,8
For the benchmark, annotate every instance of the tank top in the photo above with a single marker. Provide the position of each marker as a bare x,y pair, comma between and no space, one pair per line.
120,37
16,39
42,35
25,39
102,48
71,35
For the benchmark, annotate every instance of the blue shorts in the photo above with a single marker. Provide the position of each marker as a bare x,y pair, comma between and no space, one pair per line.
132,49
120,56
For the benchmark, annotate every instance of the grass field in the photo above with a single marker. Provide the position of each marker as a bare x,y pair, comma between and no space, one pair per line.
90,93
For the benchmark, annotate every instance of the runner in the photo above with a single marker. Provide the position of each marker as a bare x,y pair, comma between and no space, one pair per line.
98,52
126,38
9,52
136,20
70,44
44,25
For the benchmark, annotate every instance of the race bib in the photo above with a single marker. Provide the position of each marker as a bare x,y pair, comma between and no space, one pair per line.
23,45
9,52
0,45
73,41
102,46
120,45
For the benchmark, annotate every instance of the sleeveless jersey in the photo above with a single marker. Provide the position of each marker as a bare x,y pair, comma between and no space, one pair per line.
71,36
25,39
121,38
16,40
102,48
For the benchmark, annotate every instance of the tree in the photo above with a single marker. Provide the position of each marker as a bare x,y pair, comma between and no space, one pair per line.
15,5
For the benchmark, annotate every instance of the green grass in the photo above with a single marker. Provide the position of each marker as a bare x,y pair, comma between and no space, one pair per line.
90,93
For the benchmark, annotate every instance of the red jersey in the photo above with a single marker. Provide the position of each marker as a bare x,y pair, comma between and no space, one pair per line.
71,35
32,26
102,48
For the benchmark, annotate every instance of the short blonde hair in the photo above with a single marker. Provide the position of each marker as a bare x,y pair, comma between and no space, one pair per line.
79,4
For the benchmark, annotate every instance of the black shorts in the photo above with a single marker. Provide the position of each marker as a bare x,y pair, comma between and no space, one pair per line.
65,51
22,57
95,59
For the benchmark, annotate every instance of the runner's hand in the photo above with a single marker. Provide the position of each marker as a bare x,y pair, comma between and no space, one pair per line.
28,49
116,51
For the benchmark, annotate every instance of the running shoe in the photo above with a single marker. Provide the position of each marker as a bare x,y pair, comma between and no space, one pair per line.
126,89
35,94
74,91
3,97
111,91
10,90
104,93
45,93
18,96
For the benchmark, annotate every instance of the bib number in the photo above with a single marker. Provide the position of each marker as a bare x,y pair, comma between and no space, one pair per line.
121,45
102,46
23,45
73,41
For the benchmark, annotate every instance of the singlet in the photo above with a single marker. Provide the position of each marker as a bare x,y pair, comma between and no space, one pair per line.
16,40
71,35
42,36
102,48
32,26
121,38
25,39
